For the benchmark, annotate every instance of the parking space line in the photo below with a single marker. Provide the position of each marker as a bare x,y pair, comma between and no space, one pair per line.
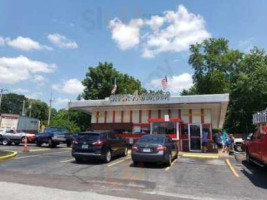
69,160
232,169
168,168
115,163
39,150
26,157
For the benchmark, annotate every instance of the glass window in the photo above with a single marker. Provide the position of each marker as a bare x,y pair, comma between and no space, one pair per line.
151,140
164,128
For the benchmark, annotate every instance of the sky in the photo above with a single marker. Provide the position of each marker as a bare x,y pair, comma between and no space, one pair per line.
49,45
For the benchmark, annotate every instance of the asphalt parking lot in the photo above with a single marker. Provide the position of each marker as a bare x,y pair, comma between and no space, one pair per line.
187,178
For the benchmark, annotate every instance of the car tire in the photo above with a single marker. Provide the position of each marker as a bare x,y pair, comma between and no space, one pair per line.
5,142
78,160
135,163
248,158
38,144
169,162
108,156
51,143
68,144
125,152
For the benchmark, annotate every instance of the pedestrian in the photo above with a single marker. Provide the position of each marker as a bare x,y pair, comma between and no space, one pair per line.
205,140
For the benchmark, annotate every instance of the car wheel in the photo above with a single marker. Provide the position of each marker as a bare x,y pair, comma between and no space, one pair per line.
16,143
169,162
135,163
248,158
125,153
5,142
108,156
38,144
50,143
68,144
78,160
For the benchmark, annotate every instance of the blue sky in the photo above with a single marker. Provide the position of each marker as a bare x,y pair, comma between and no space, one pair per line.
50,44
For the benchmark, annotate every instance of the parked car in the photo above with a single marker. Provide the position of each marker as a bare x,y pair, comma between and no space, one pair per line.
54,136
98,144
239,145
9,136
256,147
154,148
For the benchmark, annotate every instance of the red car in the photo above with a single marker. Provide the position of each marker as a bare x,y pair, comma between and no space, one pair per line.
256,146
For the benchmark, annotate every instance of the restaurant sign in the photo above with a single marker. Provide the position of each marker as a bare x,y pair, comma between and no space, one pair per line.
135,97
260,117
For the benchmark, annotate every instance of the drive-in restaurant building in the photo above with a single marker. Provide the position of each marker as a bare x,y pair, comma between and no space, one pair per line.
183,118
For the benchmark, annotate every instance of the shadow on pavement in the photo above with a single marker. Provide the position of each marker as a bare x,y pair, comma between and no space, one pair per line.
148,165
95,161
256,174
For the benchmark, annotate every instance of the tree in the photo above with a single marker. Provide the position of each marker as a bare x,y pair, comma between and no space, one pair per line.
82,120
213,62
99,82
13,103
69,125
248,91
38,110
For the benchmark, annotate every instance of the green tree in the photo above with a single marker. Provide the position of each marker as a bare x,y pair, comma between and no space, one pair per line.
69,125
82,120
248,91
213,62
13,103
99,82
38,110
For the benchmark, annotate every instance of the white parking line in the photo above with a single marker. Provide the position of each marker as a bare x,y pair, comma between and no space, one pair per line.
26,157
115,163
69,160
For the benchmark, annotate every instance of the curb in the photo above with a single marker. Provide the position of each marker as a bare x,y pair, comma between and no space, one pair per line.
11,155
194,155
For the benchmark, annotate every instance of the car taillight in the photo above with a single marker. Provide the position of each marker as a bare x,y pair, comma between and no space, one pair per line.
135,149
161,148
98,143
75,142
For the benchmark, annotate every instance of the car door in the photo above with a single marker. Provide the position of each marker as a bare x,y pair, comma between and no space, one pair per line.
253,144
262,144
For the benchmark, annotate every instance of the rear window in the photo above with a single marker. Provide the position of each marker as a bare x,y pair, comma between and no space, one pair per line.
92,137
151,140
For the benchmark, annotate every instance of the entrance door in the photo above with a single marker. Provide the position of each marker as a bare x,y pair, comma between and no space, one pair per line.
195,135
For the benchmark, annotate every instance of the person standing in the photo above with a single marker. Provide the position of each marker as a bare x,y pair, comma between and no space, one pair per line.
204,140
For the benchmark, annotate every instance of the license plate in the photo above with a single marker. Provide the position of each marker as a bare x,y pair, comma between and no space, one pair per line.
146,150
84,146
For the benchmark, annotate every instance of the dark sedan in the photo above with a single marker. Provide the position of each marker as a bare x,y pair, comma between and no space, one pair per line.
154,148
98,144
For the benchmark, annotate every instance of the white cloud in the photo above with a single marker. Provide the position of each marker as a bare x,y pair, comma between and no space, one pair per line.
20,90
126,35
39,79
71,86
34,95
246,45
14,70
62,41
26,44
171,32
62,102
2,41
176,83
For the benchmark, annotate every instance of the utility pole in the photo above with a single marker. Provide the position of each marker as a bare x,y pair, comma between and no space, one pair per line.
50,106
23,108
1,95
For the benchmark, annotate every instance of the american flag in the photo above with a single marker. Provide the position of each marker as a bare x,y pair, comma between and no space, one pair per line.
164,83
114,87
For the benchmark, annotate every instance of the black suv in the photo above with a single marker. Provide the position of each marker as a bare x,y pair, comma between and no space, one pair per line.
53,136
98,144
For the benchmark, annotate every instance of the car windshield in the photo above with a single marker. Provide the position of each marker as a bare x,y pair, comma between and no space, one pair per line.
89,136
55,130
151,140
